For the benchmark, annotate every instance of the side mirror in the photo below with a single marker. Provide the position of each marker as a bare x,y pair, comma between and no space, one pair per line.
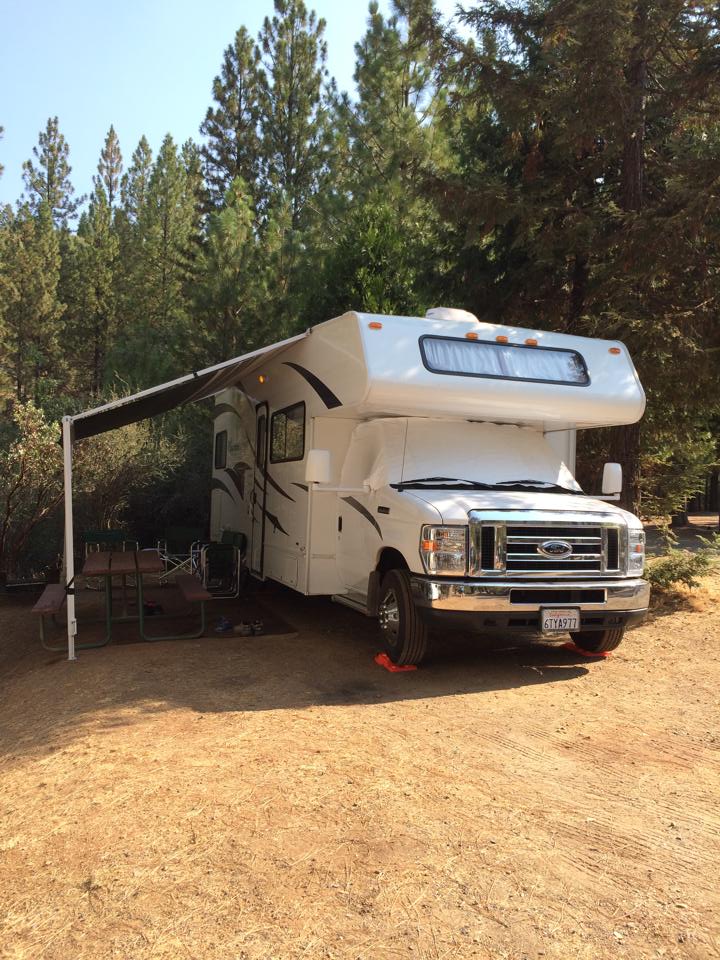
612,479
317,467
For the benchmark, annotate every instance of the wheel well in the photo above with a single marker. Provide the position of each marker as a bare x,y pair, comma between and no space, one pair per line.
390,559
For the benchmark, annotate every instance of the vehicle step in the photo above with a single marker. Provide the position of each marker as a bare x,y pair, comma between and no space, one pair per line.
354,602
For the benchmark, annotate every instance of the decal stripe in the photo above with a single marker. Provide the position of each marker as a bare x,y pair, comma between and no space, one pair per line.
352,502
277,487
275,522
320,388
303,486
221,408
219,485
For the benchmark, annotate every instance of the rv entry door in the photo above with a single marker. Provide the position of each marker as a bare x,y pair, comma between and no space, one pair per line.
257,498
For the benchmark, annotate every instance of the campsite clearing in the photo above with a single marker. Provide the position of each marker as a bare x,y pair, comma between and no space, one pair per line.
287,798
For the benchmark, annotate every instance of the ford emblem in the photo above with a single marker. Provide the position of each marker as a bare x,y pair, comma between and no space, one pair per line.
555,549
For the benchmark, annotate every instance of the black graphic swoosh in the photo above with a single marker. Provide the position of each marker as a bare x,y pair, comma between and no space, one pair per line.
320,388
219,485
351,501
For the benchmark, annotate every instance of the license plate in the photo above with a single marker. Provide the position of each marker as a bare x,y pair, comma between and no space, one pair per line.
559,620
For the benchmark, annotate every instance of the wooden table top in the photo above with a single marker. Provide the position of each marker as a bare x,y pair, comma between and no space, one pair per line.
106,563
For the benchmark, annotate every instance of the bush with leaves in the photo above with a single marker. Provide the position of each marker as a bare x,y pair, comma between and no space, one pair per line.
684,566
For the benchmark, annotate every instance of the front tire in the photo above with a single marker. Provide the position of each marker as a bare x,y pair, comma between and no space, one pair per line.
404,634
598,641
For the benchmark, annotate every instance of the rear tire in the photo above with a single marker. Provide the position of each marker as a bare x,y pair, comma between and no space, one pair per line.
599,641
404,634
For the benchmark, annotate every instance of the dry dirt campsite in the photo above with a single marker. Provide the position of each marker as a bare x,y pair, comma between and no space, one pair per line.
252,798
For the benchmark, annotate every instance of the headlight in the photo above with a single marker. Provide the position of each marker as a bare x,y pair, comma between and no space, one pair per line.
444,550
636,551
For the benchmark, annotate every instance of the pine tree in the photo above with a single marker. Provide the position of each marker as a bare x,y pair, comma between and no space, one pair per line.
47,181
161,235
574,201
231,127
89,291
294,128
110,168
134,183
32,358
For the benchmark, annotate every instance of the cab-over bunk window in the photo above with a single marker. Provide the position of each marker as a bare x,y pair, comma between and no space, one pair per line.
287,434
503,361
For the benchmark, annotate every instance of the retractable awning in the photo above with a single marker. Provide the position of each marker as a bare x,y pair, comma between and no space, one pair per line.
148,403
166,396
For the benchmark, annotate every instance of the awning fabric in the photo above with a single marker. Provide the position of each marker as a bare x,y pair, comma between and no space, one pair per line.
166,396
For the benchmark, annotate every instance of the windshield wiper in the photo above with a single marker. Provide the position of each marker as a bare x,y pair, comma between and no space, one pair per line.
543,485
442,483
452,483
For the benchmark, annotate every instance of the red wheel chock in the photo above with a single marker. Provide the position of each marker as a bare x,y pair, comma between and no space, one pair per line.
384,661
573,648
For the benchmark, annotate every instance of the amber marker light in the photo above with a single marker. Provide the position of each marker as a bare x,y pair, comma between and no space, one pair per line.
471,336
375,325
615,350
501,339
261,378
531,342
428,545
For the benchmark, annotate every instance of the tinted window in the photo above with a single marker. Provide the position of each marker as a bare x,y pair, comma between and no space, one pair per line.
503,361
221,450
287,434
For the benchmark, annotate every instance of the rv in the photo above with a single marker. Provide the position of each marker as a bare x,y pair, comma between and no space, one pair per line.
420,470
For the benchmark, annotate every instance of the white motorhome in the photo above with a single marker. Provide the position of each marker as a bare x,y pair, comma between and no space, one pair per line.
420,470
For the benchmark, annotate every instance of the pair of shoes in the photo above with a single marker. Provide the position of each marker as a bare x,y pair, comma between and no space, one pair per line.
223,625
245,629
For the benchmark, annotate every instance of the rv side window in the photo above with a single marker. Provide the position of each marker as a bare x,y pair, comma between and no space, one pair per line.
503,361
221,450
287,434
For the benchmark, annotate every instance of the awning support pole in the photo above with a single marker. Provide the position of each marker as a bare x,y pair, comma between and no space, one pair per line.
69,559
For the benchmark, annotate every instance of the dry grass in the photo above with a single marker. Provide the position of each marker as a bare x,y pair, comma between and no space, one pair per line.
249,799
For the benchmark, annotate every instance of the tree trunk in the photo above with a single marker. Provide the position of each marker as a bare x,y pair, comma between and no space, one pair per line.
625,441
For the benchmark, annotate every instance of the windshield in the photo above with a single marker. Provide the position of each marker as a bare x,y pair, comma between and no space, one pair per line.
479,456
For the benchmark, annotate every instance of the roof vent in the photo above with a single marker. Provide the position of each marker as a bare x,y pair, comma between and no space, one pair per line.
450,313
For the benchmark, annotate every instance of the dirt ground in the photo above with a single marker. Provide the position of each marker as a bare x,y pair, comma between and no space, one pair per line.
249,799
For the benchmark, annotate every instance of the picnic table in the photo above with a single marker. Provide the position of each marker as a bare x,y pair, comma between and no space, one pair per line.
137,563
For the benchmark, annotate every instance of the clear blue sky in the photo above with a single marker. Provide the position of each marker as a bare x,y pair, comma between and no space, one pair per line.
145,66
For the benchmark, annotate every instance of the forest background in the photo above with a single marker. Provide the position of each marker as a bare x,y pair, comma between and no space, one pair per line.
547,163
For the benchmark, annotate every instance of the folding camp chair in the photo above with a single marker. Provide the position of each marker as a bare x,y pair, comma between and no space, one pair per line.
180,552
220,565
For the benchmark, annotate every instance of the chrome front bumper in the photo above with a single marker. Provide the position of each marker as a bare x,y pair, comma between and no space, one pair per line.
478,596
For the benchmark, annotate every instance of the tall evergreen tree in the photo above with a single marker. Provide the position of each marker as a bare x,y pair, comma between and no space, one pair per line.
47,180
574,196
158,281
110,168
32,358
294,122
230,127
134,183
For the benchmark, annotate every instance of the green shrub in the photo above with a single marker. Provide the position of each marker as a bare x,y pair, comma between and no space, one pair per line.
683,566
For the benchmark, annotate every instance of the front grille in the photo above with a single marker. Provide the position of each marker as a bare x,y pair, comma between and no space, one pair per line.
523,542
499,548
613,548
487,547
